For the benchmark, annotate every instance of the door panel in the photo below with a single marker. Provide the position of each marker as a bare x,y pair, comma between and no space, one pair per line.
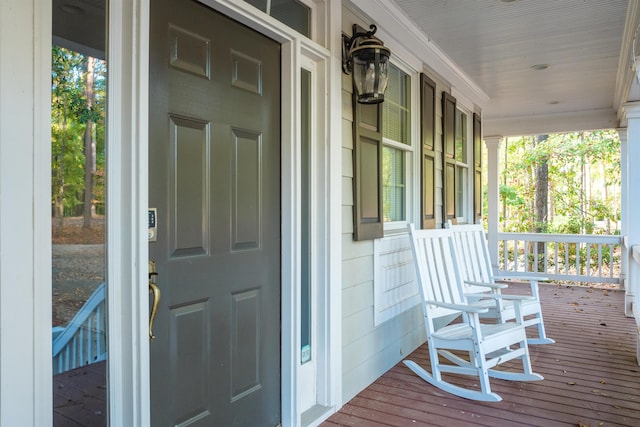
215,180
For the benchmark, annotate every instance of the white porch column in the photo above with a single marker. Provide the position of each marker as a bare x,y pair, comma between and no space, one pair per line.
632,112
493,190
624,219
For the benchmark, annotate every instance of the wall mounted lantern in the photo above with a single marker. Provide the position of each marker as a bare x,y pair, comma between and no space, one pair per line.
367,59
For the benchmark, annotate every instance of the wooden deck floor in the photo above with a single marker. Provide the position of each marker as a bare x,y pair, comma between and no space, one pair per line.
591,376
79,397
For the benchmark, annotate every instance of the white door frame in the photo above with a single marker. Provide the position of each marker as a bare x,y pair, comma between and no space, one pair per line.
129,350
127,198
25,255
25,213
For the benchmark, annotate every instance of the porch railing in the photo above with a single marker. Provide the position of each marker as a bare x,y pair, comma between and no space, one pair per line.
83,341
565,257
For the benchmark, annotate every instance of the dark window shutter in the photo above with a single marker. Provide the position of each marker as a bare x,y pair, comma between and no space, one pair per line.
448,157
428,153
367,170
477,168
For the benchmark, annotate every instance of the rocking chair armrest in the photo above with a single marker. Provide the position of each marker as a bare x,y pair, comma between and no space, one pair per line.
487,285
518,297
458,307
502,296
533,282
521,279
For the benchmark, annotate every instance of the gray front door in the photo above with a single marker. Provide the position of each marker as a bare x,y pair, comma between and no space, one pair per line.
214,152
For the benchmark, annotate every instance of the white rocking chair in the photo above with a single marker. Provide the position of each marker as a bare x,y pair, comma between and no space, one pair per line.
487,345
475,267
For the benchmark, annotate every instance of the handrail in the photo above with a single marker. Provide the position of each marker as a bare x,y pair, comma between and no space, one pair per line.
83,341
571,257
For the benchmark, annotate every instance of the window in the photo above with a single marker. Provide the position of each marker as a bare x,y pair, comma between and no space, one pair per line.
462,167
293,13
396,133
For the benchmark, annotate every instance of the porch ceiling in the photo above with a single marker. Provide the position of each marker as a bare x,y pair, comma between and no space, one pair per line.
497,42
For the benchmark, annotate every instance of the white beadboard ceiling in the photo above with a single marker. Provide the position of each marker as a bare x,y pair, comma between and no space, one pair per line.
496,43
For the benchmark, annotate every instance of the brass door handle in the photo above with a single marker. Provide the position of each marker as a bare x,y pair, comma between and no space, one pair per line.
155,290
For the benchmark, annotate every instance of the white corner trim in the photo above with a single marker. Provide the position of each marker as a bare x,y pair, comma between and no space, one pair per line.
626,73
127,251
25,191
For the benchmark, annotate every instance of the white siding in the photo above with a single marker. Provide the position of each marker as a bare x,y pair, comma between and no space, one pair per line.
381,320
368,350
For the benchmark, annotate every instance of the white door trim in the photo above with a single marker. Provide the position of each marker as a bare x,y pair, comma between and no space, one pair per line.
25,255
25,213
128,139
127,195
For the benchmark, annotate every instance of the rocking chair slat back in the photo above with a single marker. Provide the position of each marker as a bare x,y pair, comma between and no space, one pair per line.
478,347
475,266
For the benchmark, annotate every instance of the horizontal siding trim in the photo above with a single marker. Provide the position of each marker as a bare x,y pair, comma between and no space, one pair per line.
356,271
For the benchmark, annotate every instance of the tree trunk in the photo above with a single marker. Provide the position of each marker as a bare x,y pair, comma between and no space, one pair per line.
58,211
542,200
89,148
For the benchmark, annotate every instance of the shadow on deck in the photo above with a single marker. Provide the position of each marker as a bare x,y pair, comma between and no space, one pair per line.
591,376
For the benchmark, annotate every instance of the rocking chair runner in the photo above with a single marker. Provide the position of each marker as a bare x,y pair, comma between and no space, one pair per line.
487,345
477,274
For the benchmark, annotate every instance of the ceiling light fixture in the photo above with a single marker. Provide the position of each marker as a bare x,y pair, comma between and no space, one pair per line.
539,67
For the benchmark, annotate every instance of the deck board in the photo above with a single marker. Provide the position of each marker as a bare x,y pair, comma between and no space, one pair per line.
591,375
79,397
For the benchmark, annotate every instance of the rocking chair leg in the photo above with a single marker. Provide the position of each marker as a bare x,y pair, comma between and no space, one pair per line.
542,335
451,388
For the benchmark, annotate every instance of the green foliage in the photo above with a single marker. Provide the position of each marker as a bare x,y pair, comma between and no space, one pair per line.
584,182
70,114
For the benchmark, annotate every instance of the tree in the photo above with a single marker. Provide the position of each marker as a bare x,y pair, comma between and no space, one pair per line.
583,183
89,145
77,133
65,105
542,193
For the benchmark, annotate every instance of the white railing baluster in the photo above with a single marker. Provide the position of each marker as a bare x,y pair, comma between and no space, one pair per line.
599,260
81,342
546,257
584,268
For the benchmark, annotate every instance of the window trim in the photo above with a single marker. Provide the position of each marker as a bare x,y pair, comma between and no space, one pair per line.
410,149
462,212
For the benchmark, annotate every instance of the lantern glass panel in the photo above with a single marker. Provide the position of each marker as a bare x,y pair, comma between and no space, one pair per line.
370,74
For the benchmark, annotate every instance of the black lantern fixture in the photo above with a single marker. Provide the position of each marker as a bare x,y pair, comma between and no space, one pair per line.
367,59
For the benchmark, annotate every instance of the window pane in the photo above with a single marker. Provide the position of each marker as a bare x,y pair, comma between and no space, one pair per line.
292,13
78,240
305,202
461,136
259,4
396,107
393,184
461,177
